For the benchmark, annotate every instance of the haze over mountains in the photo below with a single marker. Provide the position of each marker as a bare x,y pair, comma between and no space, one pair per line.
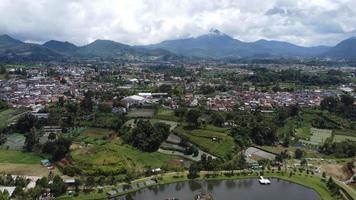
214,44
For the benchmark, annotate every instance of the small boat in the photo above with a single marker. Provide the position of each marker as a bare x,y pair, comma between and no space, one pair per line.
264,181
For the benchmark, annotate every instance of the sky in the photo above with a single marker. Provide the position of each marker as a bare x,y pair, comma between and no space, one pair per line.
139,22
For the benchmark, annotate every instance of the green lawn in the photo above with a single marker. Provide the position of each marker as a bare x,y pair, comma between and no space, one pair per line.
8,115
203,139
18,157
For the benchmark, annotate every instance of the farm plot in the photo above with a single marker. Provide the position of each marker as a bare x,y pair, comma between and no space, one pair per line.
141,113
98,151
318,136
213,142
341,138
14,141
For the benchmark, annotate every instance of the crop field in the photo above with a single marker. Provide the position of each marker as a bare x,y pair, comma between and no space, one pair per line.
341,138
141,113
14,141
203,138
98,154
166,114
320,135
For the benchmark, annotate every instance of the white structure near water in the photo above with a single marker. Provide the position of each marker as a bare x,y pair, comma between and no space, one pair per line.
264,181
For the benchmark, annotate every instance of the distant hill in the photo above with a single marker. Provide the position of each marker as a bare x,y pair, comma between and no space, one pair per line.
346,49
7,41
216,44
15,50
104,48
61,47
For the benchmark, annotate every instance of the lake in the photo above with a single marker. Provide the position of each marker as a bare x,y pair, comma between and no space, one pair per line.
245,189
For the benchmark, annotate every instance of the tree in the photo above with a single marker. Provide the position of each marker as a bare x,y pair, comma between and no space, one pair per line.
329,103
52,136
87,104
192,117
147,137
217,119
193,171
165,88
43,182
181,112
347,100
90,182
31,139
25,123
298,154
58,149
207,89
304,162
58,187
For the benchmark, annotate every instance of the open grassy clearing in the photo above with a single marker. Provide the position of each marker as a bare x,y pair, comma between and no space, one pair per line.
18,157
26,169
8,116
166,114
22,163
97,152
141,113
340,138
203,138
320,135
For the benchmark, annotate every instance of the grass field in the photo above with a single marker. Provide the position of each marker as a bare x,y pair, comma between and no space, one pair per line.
9,115
166,114
141,113
25,169
18,157
340,138
320,135
95,153
22,163
203,138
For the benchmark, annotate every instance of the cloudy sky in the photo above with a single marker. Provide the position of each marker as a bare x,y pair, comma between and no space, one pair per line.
303,22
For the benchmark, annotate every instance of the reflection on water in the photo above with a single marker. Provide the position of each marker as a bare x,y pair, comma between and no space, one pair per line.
245,189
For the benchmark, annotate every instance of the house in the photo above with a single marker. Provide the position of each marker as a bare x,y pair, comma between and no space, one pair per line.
10,190
134,100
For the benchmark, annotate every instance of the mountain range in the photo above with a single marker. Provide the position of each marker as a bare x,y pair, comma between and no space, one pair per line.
214,45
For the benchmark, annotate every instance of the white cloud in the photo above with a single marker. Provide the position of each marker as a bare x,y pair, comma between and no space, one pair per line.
304,22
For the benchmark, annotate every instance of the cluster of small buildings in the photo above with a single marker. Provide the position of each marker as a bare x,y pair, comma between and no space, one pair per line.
265,100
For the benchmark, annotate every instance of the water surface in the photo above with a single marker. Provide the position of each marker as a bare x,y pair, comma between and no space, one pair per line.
246,189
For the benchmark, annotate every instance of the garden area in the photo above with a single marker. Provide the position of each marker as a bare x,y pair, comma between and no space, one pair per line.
100,151
210,139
